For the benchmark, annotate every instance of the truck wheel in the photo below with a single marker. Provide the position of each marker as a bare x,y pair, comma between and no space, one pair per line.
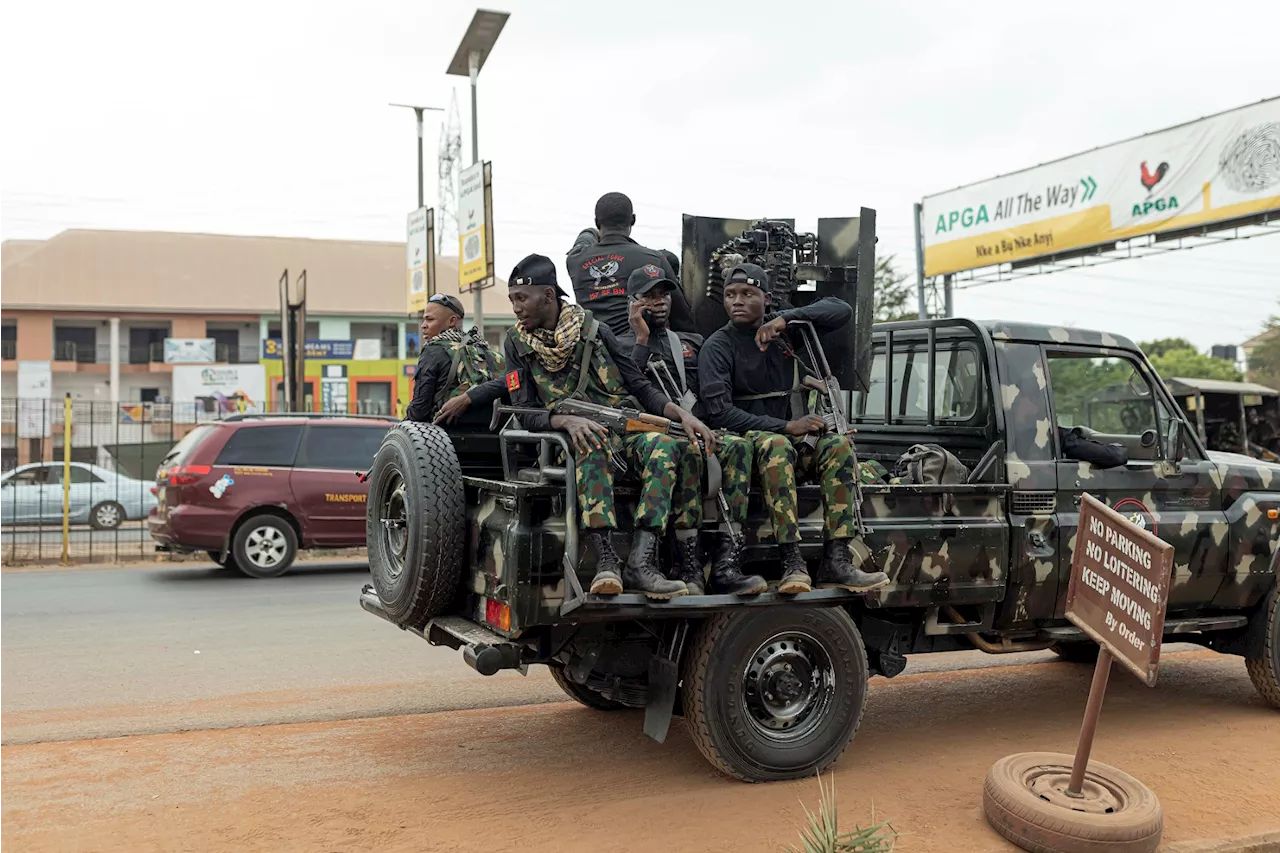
777,693
264,546
415,525
1264,671
582,694
1025,800
1086,652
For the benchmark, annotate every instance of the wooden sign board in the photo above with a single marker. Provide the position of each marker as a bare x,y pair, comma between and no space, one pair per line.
1119,587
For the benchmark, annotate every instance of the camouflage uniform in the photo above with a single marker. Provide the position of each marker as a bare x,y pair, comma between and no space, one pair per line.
734,455
779,459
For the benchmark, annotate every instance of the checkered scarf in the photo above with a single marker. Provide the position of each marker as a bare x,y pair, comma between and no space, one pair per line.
554,347
451,335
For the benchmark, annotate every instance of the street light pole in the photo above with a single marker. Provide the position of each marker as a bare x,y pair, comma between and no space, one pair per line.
476,45
417,111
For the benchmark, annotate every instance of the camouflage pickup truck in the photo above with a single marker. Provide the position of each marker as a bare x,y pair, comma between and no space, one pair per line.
473,540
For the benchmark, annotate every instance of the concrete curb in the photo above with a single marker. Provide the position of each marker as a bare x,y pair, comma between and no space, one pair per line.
1267,842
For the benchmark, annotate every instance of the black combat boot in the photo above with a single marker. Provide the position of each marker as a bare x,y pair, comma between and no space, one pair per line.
608,579
726,570
642,572
838,572
688,563
795,573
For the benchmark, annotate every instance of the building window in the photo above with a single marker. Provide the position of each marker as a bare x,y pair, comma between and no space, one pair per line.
75,343
9,339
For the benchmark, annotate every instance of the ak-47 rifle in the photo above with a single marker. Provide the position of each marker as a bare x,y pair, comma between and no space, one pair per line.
671,390
830,403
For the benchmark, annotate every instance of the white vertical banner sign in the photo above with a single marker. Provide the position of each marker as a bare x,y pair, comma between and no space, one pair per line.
473,266
35,389
416,260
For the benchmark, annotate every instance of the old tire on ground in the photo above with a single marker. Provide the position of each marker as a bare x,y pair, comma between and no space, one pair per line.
775,693
264,546
1025,801
1264,671
107,515
1086,652
415,523
582,694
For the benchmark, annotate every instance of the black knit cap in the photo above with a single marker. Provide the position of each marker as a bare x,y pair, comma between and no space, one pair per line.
534,271
748,274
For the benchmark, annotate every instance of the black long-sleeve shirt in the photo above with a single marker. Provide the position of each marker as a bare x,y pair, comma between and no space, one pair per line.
434,364
599,267
659,345
731,366
519,386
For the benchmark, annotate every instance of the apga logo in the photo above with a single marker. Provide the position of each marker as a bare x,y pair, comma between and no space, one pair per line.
1150,179
1136,511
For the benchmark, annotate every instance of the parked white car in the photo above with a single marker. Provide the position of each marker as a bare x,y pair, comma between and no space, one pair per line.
31,494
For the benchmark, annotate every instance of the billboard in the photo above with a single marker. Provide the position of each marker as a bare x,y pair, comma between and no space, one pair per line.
473,266
416,260
1207,171
190,351
224,389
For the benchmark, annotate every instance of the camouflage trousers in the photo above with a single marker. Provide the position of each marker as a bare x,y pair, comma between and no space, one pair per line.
734,455
653,456
778,460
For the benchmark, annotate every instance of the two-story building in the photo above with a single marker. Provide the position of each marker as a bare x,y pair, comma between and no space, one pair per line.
145,323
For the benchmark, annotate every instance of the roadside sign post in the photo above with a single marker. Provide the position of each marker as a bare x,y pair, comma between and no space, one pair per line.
1117,594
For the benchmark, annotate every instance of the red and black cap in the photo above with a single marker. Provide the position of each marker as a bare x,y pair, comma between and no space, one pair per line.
646,278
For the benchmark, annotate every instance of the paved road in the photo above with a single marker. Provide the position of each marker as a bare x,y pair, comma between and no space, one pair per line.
111,652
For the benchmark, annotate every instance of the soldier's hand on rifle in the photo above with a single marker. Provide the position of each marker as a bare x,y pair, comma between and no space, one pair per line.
698,432
805,425
453,408
586,434
635,317
769,331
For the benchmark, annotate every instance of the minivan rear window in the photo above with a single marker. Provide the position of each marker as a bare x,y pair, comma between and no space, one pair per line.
343,448
262,446
180,451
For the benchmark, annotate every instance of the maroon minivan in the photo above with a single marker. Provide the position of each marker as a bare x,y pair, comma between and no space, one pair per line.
252,489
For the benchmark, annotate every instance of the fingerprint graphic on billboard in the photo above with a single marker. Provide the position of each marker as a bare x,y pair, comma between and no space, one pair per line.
418,281
471,248
1250,163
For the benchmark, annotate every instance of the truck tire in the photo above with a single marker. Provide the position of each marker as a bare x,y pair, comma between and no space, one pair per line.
582,694
415,524
1086,652
775,693
1264,671
1023,801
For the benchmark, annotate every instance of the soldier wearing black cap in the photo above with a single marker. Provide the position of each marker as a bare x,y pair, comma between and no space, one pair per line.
602,259
451,360
672,358
559,350
751,387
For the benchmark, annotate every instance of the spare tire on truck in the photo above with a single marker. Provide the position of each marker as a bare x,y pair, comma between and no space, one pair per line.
415,523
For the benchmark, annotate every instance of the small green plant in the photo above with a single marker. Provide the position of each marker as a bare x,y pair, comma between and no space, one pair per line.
821,832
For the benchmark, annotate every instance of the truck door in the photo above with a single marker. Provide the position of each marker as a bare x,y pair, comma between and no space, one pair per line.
1115,400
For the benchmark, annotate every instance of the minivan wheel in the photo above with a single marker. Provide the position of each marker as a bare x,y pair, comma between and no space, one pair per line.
264,546
1264,670
775,693
106,516
415,524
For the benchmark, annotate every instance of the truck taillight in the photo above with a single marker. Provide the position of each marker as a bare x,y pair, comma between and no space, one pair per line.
187,475
497,614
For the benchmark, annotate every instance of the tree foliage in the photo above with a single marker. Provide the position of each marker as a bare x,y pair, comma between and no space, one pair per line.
1264,359
895,293
1188,363
1164,345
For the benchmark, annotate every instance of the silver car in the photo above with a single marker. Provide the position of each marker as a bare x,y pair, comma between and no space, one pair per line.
31,494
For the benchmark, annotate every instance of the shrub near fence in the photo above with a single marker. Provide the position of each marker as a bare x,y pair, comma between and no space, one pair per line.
123,442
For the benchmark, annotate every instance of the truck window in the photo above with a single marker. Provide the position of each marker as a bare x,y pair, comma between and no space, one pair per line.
1105,394
261,446
956,385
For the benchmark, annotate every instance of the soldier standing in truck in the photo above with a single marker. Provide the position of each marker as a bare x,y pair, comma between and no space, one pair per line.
654,346
603,258
750,387
558,350
451,360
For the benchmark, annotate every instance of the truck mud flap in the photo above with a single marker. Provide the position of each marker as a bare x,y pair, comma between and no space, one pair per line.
483,650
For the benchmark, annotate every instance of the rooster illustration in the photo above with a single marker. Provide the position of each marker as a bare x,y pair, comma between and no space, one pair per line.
1150,179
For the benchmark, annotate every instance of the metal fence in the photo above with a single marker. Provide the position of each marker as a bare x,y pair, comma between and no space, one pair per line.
115,448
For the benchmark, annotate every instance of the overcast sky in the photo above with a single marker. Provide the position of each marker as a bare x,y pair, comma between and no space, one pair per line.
271,117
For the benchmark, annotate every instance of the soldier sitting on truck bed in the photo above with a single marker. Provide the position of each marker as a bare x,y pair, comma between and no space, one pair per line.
747,387
451,360
558,350
673,358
